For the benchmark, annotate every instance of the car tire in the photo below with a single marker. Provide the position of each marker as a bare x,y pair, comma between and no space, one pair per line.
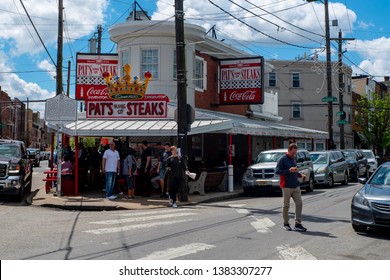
345,182
355,175
330,181
310,186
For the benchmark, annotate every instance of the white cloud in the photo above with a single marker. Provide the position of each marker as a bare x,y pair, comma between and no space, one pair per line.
376,56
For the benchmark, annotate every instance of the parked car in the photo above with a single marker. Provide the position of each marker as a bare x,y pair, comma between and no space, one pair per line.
330,167
35,155
372,161
15,168
370,206
357,164
260,177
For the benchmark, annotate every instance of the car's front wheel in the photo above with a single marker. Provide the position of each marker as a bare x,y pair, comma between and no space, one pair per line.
310,186
345,181
330,181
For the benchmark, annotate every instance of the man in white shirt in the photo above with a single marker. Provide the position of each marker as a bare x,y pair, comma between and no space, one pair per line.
110,168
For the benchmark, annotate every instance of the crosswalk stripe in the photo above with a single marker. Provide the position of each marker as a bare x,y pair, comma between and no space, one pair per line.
181,251
152,212
294,253
143,219
262,225
131,227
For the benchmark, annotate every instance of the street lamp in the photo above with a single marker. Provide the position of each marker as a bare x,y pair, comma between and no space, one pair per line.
328,74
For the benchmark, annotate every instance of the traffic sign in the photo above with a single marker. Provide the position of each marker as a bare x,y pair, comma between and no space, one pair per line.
342,122
340,113
329,99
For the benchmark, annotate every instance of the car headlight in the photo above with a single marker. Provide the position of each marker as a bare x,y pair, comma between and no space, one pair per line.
360,199
14,168
249,172
321,170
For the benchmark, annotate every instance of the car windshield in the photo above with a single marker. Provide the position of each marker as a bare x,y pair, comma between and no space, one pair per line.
349,155
269,157
369,154
9,151
318,158
381,177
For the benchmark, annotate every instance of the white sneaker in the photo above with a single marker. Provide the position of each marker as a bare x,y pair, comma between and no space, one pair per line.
170,202
121,193
174,205
111,197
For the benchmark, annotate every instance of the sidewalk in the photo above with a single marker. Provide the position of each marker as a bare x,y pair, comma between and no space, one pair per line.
95,201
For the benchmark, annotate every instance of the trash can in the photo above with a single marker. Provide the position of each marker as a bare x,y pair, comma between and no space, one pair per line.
68,185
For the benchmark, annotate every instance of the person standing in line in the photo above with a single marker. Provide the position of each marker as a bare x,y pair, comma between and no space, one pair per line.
129,171
110,168
178,168
288,171
146,165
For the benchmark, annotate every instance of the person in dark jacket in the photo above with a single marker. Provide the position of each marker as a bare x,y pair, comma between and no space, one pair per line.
288,171
178,167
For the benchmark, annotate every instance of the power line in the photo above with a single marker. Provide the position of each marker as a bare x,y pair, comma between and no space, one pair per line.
39,36
250,26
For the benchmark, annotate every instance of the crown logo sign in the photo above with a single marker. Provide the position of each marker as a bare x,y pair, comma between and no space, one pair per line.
125,87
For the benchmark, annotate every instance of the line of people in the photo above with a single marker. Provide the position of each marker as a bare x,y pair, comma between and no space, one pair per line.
170,171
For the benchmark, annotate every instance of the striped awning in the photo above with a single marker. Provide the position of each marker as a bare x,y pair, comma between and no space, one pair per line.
205,122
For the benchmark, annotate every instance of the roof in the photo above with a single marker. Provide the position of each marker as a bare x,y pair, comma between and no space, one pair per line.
205,122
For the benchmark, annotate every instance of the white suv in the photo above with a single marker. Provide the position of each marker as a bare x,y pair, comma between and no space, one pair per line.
372,160
260,177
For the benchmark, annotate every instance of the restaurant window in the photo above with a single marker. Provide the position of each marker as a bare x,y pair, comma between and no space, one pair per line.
200,80
149,62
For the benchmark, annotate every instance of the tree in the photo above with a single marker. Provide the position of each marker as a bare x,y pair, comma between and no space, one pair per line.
374,117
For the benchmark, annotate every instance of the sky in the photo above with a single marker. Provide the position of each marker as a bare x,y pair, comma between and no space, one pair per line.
274,29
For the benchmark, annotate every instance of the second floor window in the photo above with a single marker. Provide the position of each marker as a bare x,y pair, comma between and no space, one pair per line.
149,62
296,110
272,79
200,74
296,80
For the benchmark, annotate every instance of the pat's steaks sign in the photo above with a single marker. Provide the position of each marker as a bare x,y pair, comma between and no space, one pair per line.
241,81
149,107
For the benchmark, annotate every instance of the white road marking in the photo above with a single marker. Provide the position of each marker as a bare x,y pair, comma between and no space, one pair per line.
173,253
296,253
236,205
262,225
152,212
131,227
143,219
238,208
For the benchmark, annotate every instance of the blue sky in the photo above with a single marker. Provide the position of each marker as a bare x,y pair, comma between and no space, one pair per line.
26,70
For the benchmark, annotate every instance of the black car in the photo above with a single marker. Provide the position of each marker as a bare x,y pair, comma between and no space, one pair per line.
371,204
357,164
15,168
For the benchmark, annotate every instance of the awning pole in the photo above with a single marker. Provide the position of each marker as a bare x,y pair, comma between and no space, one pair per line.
230,166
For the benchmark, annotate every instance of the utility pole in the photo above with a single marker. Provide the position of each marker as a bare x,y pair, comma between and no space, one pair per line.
59,47
99,39
329,77
341,112
182,121
68,84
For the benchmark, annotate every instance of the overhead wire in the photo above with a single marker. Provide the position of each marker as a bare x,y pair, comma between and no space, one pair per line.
259,31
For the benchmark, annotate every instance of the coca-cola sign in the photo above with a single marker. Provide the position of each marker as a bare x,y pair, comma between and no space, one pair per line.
241,81
90,84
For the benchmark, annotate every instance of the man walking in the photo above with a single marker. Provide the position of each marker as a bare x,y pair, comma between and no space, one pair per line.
178,168
146,165
110,168
289,173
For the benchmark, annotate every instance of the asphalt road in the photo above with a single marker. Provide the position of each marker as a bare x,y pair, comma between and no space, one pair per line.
239,229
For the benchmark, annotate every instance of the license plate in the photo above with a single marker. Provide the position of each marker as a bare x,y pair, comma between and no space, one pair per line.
263,183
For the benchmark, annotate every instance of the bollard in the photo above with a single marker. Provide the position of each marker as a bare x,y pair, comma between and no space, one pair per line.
230,178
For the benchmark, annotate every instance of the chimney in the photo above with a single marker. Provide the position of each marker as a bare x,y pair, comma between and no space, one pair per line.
386,78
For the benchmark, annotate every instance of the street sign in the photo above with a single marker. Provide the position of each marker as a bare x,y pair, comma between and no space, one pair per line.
329,99
342,122
340,113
